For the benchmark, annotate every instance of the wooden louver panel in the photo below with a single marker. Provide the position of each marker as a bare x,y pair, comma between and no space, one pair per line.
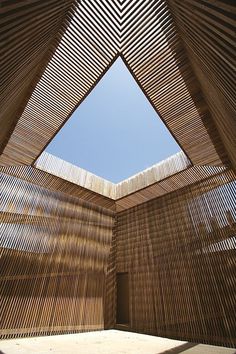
144,34
30,33
54,259
208,31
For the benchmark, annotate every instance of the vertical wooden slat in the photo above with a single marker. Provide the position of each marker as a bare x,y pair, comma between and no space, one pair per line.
54,257
179,252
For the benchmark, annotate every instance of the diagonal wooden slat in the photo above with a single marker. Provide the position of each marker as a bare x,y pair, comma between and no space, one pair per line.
30,33
145,35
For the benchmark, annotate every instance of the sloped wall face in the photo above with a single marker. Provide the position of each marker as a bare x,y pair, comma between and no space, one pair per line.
179,252
54,257
208,33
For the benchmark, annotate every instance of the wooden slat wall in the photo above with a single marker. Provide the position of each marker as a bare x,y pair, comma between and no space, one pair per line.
29,36
153,174
46,180
58,167
208,31
144,34
60,247
173,183
180,253
69,172
55,250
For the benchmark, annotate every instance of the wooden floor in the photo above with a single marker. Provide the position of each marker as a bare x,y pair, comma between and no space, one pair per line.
106,342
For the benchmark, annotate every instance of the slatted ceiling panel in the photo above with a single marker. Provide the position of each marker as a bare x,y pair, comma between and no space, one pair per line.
173,183
217,23
79,61
156,55
28,32
46,180
209,37
144,34
63,243
226,127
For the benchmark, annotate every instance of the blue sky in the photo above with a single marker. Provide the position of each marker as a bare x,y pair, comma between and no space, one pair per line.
115,132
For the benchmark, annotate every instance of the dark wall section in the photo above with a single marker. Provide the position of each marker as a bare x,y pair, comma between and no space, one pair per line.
122,298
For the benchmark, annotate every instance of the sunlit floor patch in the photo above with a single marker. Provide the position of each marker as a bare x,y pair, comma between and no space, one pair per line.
106,342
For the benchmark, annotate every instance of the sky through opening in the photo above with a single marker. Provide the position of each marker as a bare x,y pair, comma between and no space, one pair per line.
115,132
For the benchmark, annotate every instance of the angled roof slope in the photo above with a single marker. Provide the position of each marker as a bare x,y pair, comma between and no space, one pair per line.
144,34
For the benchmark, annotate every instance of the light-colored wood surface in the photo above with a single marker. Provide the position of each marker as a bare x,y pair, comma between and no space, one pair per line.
165,177
153,174
173,183
71,173
60,254
55,252
52,182
60,168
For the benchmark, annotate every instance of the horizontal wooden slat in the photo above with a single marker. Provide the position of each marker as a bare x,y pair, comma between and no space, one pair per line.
51,182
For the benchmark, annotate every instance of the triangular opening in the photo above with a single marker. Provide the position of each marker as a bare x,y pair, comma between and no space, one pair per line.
115,132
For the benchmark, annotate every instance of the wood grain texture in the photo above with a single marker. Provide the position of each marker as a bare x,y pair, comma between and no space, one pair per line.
163,169
71,173
172,183
65,233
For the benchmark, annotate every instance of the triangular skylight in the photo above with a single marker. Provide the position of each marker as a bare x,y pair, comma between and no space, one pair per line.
115,132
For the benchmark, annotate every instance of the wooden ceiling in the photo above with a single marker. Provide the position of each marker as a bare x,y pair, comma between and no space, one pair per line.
30,33
207,29
180,53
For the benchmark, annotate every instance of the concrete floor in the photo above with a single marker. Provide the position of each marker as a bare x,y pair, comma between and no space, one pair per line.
106,342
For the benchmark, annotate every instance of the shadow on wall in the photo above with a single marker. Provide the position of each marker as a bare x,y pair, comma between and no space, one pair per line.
180,349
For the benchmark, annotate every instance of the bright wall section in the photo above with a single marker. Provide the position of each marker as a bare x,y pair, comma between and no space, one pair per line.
54,258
